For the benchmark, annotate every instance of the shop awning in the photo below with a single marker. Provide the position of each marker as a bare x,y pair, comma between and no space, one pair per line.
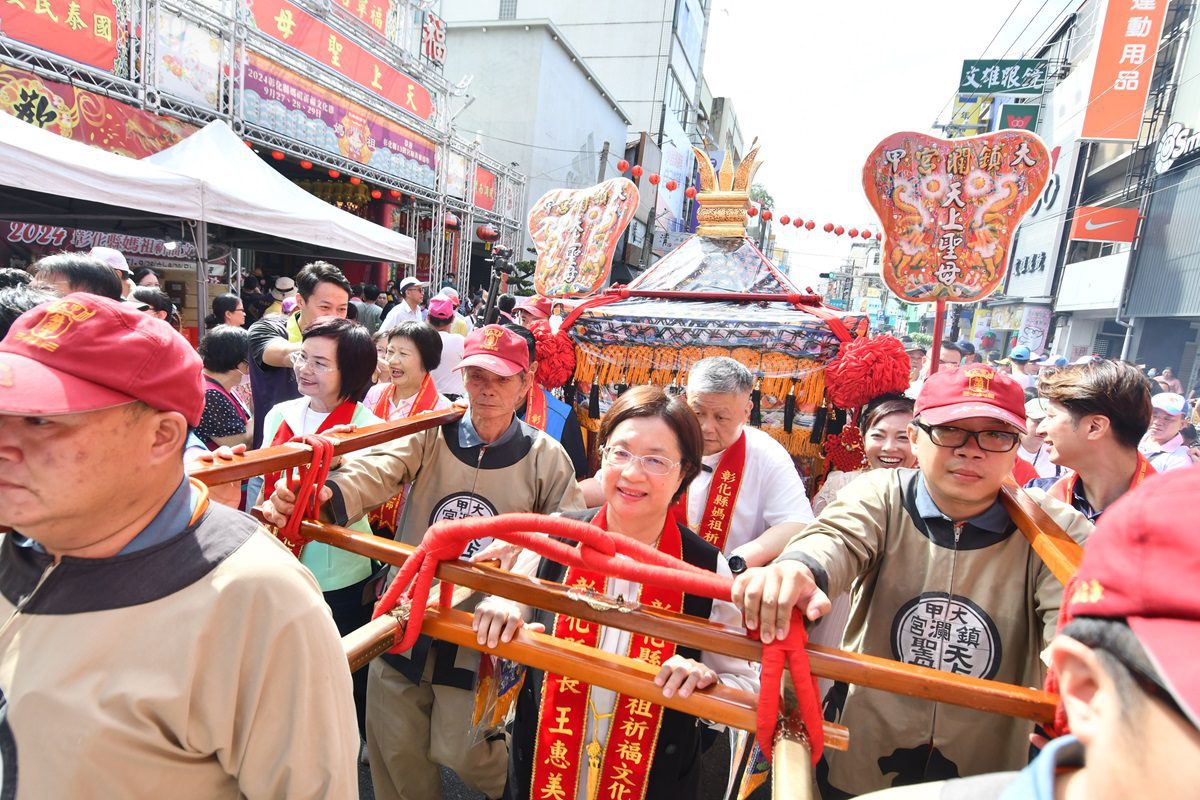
57,181
260,209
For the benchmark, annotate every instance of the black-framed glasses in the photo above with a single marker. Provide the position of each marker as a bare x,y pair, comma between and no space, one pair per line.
620,458
950,436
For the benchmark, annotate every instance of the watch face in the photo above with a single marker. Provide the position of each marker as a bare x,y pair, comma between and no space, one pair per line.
737,564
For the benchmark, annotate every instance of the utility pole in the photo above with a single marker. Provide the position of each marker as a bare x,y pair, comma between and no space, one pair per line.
603,162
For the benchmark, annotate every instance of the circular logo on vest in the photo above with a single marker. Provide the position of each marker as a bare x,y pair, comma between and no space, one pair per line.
462,505
8,754
947,632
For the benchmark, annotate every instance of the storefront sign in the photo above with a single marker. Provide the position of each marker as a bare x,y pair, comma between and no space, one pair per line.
1035,326
86,117
282,101
949,209
58,238
1018,116
287,24
188,60
1124,63
1103,224
1175,143
990,76
485,189
433,38
87,31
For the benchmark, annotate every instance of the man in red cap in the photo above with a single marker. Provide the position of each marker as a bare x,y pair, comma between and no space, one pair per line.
124,591
1128,674
941,578
419,704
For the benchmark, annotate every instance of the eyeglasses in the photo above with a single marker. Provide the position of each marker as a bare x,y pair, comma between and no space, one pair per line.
620,458
949,436
300,361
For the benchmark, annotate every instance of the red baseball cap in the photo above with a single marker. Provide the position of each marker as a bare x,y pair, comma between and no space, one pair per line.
976,390
1140,565
83,352
496,349
535,306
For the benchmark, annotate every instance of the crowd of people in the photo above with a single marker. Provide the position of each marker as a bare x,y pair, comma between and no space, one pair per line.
206,654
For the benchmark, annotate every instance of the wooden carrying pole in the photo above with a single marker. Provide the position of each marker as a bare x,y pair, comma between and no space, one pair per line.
1057,550
838,665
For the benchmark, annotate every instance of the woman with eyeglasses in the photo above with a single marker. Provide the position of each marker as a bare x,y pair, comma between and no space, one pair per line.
411,351
333,370
589,738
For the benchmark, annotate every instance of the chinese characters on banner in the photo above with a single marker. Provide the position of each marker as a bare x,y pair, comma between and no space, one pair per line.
1024,76
55,237
282,101
288,24
1124,64
949,209
433,38
373,13
485,189
87,31
87,117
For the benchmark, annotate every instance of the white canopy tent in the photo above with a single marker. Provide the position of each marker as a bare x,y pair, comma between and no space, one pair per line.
246,196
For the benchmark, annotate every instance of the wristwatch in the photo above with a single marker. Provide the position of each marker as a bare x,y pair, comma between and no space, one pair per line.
737,565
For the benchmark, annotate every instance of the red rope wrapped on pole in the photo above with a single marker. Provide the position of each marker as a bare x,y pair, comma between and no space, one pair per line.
601,551
306,482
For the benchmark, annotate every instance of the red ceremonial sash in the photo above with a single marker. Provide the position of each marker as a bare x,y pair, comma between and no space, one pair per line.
722,495
342,415
387,515
535,408
619,768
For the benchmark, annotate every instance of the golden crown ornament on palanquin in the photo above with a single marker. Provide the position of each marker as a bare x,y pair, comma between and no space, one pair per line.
724,197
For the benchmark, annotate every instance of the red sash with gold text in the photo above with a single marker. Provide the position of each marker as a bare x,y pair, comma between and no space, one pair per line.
387,516
535,408
722,495
342,415
619,767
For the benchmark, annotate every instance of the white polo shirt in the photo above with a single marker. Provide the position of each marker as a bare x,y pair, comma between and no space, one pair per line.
771,491
402,313
1163,457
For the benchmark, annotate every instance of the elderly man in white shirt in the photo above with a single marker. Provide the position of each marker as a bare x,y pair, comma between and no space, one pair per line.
1163,444
412,292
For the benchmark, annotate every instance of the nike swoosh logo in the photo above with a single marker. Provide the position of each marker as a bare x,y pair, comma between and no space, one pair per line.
1095,226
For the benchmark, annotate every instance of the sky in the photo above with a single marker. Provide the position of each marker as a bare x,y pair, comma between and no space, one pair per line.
821,82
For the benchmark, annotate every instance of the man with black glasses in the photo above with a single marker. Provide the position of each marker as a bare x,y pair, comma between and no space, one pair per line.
939,576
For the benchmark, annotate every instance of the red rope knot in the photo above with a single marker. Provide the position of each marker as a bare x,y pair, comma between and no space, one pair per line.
790,651
306,482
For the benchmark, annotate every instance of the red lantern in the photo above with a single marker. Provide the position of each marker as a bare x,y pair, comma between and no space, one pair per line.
853,232
808,226
278,156
866,234
333,173
356,181
654,179
753,212
305,165
451,220
622,165
879,237
839,230
828,227
799,223
249,144
785,219
767,214
487,232
671,186
636,172
690,192
394,194
376,194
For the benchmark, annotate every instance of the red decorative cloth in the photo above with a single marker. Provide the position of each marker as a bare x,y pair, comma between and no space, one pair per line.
866,368
555,355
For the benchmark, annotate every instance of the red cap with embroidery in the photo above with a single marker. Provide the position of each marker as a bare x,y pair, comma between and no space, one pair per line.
83,352
977,390
1140,565
496,349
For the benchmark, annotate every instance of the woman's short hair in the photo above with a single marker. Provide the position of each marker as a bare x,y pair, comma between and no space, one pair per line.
885,406
1113,389
356,356
424,338
224,347
653,401
81,272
